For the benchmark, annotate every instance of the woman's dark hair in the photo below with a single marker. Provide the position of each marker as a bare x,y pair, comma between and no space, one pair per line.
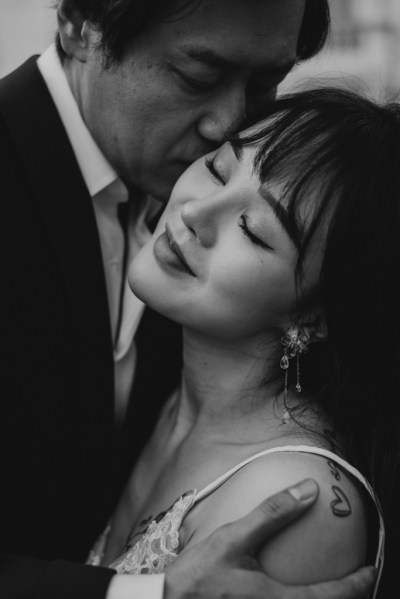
340,152
121,21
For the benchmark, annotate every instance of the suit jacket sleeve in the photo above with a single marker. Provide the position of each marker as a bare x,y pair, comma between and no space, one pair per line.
54,460
26,578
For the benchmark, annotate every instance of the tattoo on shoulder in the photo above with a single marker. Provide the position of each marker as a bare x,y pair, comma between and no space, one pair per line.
340,505
334,468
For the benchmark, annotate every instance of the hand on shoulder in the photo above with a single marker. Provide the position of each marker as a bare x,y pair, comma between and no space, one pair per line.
328,542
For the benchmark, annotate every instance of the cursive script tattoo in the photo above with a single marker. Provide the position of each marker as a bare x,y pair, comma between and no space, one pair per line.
341,505
334,469
137,531
142,527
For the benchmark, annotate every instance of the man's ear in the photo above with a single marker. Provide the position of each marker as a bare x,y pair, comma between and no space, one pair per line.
76,35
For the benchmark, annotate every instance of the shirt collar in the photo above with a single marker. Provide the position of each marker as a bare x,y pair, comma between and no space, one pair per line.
97,172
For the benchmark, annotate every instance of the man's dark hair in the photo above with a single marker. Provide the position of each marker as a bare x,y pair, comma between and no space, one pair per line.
120,21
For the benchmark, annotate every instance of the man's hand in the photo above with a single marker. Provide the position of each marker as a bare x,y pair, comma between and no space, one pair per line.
225,564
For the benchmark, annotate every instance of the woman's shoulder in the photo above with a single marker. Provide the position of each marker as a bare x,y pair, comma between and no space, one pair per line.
327,542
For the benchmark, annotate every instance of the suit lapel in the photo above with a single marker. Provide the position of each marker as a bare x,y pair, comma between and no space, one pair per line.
66,209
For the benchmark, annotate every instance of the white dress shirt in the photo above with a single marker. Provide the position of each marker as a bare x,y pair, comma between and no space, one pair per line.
107,191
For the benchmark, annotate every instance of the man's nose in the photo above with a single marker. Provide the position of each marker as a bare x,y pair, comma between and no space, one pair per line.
223,115
201,217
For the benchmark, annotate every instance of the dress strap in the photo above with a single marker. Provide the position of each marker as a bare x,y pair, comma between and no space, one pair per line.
213,486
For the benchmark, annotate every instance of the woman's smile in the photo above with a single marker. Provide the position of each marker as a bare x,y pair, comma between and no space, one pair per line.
168,254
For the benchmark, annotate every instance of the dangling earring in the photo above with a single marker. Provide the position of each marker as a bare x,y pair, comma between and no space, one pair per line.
295,342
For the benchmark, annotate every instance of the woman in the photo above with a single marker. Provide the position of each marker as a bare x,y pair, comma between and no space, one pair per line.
277,253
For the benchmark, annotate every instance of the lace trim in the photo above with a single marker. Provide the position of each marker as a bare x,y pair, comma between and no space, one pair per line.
158,546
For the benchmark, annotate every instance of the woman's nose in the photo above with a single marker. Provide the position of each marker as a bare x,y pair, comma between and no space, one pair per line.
201,217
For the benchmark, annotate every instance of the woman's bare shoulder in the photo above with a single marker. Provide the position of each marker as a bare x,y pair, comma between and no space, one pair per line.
328,542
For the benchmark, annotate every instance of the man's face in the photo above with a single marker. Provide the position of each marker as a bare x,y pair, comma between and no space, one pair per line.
184,84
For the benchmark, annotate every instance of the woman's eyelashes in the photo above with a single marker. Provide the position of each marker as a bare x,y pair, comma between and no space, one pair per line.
253,238
210,165
220,178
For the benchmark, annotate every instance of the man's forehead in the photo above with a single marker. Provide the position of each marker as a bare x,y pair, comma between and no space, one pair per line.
218,58
220,32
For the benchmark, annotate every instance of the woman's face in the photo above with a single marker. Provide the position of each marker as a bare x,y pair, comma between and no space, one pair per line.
221,260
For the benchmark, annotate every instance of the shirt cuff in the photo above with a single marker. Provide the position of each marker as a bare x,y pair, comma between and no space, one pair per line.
131,586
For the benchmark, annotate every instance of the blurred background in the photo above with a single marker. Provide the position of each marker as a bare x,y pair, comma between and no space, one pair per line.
26,27
363,51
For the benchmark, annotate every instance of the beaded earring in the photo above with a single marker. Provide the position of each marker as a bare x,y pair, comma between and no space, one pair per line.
295,342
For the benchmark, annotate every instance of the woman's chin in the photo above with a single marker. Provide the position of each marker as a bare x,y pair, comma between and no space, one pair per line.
137,275
144,283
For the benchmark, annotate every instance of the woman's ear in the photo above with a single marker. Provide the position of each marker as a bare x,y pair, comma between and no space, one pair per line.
76,35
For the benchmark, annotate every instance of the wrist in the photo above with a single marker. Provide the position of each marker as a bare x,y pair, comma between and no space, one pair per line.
127,586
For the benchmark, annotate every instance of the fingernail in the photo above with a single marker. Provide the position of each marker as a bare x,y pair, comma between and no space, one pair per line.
305,490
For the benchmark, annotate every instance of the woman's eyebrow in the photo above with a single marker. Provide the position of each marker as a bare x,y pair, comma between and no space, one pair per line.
288,224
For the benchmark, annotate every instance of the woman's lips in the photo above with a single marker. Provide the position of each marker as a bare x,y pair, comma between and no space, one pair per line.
168,254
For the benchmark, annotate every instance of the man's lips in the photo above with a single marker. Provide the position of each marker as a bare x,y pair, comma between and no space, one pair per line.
177,250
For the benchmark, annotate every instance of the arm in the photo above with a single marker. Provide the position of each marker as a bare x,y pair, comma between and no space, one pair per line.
225,564
331,541
327,543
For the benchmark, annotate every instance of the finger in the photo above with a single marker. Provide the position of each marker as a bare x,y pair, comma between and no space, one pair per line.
357,585
271,516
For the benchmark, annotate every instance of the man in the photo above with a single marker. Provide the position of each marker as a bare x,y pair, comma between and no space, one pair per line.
137,92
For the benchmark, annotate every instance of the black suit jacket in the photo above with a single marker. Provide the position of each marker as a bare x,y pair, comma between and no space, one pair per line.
62,464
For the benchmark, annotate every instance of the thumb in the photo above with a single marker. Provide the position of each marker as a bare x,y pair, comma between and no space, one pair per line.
272,515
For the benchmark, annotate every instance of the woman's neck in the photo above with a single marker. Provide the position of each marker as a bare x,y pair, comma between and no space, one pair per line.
225,382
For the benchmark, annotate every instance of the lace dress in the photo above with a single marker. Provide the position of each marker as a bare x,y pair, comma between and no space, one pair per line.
157,545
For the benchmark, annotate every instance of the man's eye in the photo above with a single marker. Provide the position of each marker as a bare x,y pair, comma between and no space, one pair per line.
210,164
253,238
197,85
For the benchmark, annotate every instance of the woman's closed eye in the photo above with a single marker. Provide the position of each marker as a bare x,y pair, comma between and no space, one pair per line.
210,164
253,238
